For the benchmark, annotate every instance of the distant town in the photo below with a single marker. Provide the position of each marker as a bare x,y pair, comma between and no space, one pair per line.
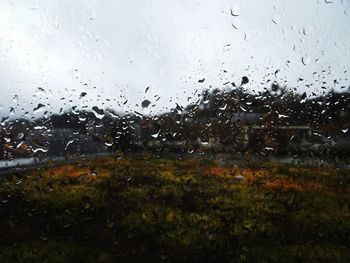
274,122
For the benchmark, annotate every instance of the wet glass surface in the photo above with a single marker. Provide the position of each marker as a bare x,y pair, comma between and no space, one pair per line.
163,131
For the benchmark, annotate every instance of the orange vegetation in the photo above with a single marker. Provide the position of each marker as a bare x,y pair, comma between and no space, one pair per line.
220,171
290,185
249,174
69,170
283,184
252,176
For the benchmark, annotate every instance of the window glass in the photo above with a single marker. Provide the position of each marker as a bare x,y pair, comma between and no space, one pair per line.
176,131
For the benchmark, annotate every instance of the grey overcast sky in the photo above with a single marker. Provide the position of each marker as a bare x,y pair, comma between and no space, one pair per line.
53,50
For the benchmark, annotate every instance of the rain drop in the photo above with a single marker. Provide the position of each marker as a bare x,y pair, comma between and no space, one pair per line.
275,19
155,135
234,11
305,60
40,90
39,107
39,149
145,103
99,113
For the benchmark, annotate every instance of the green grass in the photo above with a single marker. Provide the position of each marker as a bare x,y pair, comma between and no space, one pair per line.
151,210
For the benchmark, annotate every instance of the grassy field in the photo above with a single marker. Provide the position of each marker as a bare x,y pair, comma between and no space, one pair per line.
146,209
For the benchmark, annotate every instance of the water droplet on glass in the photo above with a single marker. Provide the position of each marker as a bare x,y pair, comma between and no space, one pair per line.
307,30
82,95
109,144
40,90
305,60
68,144
40,128
275,19
145,103
38,108
99,113
15,99
235,11
236,24
4,120
245,80
19,145
20,136
155,135
38,149
223,108
281,116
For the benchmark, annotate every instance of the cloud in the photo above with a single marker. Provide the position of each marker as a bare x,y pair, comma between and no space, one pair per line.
113,50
